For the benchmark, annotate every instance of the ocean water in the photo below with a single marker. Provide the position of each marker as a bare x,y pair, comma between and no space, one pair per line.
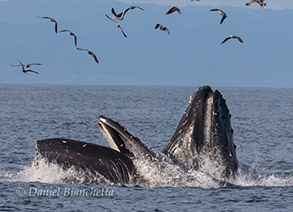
262,119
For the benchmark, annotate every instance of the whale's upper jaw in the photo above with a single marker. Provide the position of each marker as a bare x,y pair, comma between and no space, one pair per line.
115,135
121,140
204,129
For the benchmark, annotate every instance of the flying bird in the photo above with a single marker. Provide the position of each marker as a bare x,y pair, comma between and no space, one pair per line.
261,3
52,20
26,70
27,65
222,13
232,37
131,8
90,53
118,25
173,9
72,34
163,28
117,16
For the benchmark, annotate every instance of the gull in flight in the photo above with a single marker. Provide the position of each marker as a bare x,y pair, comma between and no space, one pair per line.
90,53
118,25
163,28
261,3
26,70
72,34
232,37
52,20
173,9
131,8
222,13
117,16
27,65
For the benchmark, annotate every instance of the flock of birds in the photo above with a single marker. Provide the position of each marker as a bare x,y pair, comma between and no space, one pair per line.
25,67
120,16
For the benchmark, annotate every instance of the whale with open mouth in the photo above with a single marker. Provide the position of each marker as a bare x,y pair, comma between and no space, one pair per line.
203,134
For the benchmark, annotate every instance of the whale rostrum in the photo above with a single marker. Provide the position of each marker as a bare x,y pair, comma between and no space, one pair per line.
204,131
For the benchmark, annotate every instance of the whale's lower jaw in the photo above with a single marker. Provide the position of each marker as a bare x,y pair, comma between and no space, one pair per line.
205,132
100,164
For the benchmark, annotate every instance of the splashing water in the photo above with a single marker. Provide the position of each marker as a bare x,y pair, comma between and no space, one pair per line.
163,173
152,174
52,173
264,180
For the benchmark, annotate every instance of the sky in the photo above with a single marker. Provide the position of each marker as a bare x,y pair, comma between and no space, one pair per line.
192,55
271,4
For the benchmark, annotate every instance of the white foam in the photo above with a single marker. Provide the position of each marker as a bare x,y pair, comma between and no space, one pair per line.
162,174
52,173
152,173
265,180
209,176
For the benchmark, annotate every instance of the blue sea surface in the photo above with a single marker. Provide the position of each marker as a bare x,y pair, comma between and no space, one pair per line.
262,119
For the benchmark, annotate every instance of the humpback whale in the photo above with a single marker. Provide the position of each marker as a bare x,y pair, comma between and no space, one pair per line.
203,133
98,162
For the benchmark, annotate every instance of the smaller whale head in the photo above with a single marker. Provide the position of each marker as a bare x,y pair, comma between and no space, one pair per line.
122,141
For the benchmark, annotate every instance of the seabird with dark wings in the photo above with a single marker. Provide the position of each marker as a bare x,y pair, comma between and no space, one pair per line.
118,25
173,9
52,20
26,70
224,15
72,34
163,28
261,3
90,53
232,37
131,8
117,16
27,65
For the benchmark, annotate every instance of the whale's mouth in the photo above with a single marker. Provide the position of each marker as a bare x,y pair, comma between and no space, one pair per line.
116,135
121,140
